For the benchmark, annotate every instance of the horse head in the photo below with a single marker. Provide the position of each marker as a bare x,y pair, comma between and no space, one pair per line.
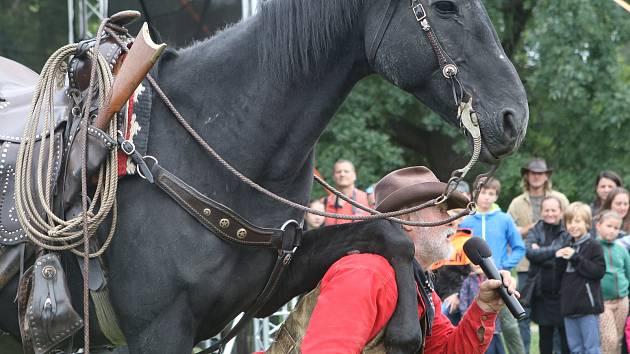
399,47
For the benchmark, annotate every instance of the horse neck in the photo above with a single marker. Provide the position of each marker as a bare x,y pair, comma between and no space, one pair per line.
265,126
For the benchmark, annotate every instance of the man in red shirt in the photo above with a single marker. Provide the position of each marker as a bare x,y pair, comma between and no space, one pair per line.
345,176
348,311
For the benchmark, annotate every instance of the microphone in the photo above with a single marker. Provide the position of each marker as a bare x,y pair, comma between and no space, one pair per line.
480,254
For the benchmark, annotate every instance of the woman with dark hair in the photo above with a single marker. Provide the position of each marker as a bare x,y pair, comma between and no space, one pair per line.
606,181
618,200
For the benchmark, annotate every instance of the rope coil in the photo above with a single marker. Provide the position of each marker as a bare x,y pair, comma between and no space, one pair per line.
49,231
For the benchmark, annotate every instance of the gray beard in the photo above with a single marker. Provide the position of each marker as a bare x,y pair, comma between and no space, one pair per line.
431,247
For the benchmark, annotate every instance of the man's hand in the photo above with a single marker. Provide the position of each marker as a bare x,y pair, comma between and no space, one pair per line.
565,252
489,299
453,302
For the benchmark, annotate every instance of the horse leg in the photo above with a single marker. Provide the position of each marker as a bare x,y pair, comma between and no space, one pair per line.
322,247
171,332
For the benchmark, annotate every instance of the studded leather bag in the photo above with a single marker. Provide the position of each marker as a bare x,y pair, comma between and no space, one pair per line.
47,319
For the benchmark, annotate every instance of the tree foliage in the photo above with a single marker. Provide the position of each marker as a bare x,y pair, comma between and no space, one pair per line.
31,30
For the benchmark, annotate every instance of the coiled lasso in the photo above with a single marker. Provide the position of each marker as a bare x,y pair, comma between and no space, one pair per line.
50,231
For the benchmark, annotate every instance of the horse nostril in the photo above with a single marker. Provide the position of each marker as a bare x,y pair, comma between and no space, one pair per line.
510,131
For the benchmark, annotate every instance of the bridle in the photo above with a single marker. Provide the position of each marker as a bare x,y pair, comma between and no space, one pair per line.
468,119
447,65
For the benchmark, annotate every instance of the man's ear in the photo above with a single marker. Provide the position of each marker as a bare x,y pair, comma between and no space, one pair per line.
407,228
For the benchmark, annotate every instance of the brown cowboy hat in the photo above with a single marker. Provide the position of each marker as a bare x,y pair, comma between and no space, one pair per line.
536,165
412,185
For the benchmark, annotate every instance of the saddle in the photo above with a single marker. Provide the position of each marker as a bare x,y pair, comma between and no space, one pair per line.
17,86
44,299
17,91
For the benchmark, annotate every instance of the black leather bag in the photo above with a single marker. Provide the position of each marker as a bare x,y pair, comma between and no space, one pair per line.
528,291
47,319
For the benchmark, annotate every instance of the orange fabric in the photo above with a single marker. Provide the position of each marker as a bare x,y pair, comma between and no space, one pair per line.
458,257
346,209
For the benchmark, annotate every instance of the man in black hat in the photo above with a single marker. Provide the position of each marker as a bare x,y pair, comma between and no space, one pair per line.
349,309
525,210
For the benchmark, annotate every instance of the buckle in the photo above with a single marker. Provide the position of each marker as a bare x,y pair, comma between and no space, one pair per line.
288,255
127,146
287,250
419,12
289,222
143,165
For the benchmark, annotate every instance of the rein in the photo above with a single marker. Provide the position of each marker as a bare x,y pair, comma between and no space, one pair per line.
468,121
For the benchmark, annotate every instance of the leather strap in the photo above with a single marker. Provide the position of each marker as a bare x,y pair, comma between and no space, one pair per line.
230,226
448,67
261,300
378,38
216,217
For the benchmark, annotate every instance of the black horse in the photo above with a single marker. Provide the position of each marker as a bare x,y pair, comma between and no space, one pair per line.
261,92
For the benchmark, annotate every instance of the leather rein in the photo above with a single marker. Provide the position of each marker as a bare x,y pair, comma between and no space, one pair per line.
230,226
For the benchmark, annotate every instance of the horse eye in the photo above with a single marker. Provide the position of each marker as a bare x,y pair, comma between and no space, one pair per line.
446,7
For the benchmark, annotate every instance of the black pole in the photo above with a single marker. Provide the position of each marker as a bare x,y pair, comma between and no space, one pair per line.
152,30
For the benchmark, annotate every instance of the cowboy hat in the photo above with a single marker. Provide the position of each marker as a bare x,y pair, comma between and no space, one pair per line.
412,185
536,165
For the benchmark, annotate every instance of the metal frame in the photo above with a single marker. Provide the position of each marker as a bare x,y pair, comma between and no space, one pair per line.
249,7
266,328
80,14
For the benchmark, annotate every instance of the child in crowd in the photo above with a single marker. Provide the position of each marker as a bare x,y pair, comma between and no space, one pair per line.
614,284
580,267
467,294
496,227
499,231
313,221
450,273
618,200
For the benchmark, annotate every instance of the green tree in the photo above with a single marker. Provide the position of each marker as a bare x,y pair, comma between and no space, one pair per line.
31,30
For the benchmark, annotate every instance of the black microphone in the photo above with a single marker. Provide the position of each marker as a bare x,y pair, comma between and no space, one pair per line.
480,254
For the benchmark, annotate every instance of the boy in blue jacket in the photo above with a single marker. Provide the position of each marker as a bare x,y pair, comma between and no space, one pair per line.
499,231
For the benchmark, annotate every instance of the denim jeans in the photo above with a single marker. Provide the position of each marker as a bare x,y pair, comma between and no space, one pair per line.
583,334
496,345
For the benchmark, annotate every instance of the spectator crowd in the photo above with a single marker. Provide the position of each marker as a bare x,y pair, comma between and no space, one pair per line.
571,260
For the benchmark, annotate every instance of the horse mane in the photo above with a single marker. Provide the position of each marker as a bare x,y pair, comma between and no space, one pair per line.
297,36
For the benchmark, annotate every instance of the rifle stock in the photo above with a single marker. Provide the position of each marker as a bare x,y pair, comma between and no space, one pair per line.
137,63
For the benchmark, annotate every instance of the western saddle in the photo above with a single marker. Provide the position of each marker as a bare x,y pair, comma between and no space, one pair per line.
17,85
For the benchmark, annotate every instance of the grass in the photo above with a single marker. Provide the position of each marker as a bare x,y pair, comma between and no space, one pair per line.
533,346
